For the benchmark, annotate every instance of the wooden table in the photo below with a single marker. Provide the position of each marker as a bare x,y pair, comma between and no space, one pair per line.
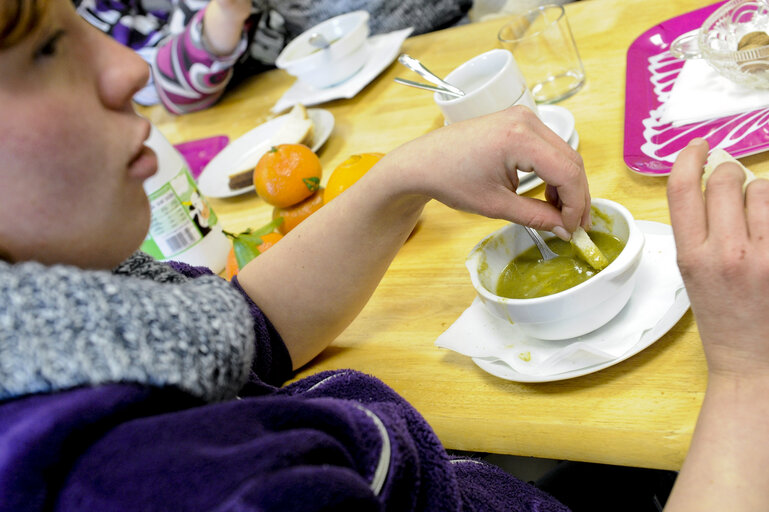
640,412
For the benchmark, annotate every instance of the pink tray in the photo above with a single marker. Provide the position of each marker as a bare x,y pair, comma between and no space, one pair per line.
200,151
651,146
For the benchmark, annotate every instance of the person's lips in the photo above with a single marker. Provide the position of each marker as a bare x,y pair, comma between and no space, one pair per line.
144,164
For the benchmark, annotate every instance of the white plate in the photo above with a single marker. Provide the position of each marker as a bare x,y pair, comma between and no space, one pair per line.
668,320
245,151
561,121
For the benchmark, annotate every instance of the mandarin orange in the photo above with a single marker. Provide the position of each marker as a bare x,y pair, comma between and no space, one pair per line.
293,215
348,172
287,174
231,268
268,240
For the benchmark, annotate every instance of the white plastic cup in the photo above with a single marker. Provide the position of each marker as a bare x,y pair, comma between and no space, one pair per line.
491,82
183,227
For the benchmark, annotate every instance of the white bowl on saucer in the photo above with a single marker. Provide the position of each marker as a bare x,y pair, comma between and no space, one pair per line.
345,56
570,313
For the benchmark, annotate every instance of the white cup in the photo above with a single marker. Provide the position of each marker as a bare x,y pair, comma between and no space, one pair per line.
491,82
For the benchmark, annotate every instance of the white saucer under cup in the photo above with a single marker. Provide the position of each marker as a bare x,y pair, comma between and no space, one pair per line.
561,121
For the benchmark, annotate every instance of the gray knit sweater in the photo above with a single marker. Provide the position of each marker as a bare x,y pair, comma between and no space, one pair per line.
62,327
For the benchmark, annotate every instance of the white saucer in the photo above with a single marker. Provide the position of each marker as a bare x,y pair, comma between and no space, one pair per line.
245,151
558,119
561,121
663,325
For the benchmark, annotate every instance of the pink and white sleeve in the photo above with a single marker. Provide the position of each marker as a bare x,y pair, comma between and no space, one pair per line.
187,76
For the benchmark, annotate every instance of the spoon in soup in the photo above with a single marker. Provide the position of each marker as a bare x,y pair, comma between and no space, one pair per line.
547,252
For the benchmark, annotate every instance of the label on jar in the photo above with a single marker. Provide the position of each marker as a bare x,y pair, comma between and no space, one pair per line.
180,217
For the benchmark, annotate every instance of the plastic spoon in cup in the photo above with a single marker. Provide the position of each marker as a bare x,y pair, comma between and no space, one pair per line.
547,252
318,41
426,87
418,68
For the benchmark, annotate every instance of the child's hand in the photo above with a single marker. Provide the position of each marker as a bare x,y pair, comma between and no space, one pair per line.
472,166
236,9
223,24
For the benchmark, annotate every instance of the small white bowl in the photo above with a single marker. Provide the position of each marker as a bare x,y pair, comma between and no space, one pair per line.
573,312
345,56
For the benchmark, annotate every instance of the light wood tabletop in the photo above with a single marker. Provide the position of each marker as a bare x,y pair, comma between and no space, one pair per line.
640,412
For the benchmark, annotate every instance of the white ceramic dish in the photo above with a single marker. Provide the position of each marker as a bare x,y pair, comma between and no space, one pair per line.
561,121
245,151
491,82
384,48
668,319
573,312
346,54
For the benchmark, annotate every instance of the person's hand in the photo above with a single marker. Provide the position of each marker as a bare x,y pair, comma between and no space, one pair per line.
472,166
722,240
223,24
238,9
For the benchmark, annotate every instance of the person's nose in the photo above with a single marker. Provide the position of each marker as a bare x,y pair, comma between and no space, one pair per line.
122,73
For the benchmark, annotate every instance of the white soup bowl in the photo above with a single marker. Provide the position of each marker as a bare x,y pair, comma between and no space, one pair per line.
572,312
346,54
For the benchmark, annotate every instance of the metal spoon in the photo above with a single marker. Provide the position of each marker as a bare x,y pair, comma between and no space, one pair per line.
417,67
318,41
426,87
547,252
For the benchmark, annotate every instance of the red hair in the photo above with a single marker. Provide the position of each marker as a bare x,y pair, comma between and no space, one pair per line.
18,18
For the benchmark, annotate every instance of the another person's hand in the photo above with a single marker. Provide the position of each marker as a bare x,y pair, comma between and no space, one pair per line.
223,24
722,239
472,166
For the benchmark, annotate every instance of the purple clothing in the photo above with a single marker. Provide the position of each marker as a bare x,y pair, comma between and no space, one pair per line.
338,440
335,441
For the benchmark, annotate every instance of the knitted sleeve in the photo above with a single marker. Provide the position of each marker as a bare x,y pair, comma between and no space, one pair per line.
63,327
187,76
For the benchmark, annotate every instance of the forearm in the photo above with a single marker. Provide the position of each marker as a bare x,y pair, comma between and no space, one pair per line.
726,465
313,283
317,279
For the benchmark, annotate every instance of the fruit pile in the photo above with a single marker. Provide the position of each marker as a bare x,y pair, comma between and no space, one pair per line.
288,178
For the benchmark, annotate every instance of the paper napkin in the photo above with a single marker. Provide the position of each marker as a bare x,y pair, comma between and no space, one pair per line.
700,93
384,49
478,333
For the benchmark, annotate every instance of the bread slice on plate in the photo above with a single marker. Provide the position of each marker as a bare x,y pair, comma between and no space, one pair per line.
297,128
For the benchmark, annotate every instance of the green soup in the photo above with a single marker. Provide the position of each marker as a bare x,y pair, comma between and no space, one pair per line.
529,276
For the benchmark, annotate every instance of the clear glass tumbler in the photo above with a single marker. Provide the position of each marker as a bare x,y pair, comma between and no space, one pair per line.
544,49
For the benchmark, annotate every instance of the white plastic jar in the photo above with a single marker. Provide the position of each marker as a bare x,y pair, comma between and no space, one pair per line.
183,226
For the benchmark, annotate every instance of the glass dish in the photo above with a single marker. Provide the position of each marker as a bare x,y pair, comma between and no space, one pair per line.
720,38
650,146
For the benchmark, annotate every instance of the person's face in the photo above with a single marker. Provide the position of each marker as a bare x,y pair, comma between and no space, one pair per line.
72,159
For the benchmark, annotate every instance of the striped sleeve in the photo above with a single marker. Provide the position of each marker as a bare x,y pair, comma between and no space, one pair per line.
187,76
